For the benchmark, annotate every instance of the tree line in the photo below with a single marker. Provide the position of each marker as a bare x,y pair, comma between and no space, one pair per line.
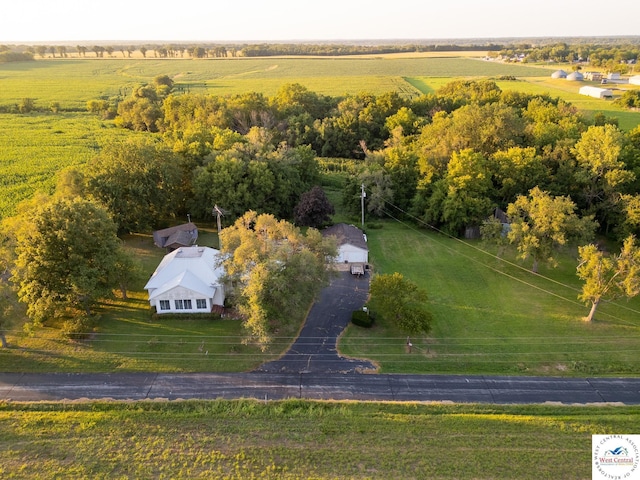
614,58
450,157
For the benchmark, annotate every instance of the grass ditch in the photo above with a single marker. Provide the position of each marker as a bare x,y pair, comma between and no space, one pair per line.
295,439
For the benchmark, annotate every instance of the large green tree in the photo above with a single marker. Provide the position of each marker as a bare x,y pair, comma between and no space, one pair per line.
138,180
602,174
540,224
275,270
402,302
66,256
608,276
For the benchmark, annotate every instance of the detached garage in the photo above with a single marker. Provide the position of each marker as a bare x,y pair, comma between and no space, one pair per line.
352,243
596,92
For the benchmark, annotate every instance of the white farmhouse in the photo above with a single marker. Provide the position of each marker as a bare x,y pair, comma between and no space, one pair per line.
352,243
187,280
635,80
596,92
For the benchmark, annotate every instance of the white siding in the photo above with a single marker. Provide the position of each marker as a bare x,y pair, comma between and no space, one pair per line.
180,293
352,254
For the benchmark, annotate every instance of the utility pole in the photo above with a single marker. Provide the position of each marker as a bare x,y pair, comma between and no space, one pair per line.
363,194
219,213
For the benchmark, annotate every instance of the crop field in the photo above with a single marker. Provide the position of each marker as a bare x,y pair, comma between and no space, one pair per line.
492,315
295,439
73,82
34,147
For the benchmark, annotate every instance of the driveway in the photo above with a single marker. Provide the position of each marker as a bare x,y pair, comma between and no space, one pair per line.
315,349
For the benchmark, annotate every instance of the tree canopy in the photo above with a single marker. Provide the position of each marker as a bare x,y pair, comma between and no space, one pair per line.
139,182
401,302
66,255
314,208
608,276
540,224
275,271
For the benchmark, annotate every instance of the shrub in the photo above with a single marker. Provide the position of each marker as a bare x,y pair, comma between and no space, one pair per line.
79,327
362,319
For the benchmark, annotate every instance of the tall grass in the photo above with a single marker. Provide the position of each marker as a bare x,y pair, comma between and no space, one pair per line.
301,440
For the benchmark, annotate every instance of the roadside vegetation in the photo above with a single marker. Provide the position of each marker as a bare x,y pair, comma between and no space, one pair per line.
294,439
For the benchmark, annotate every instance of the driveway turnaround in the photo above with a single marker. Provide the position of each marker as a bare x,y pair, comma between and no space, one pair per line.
275,386
315,349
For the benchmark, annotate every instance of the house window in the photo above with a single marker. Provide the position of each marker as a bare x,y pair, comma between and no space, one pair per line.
201,303
165,305
187,304
179,305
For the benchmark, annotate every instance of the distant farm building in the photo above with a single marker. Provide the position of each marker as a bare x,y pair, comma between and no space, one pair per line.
596,92
559,74
575,77
593,76
635,80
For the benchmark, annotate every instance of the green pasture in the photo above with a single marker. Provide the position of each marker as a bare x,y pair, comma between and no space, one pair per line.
492,315
295,439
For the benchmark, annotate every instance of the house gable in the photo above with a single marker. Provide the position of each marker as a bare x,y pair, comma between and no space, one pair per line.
187,280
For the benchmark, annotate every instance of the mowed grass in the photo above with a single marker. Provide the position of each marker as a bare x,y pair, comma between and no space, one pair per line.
295,439
128,339
491,316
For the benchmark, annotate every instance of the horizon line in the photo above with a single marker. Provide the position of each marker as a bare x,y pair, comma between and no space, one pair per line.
377,41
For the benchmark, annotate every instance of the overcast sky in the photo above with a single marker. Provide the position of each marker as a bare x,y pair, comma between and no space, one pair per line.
276,20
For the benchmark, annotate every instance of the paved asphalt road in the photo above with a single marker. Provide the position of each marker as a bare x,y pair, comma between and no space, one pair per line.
352,386
312,369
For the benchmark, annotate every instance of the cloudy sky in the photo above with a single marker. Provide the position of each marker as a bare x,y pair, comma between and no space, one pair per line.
276,20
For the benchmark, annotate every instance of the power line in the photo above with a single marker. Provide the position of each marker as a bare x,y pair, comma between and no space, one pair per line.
501,260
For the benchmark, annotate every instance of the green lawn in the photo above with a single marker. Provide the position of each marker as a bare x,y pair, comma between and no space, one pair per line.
295,439
492,316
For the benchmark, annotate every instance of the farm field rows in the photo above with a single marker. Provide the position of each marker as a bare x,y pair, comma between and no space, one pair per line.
35,147
302,439
73,82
